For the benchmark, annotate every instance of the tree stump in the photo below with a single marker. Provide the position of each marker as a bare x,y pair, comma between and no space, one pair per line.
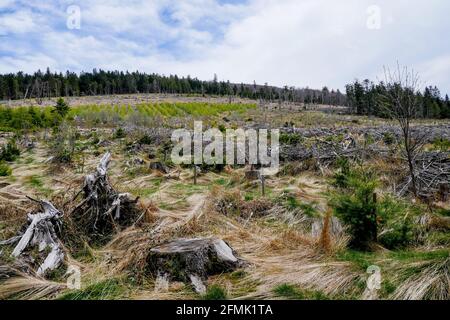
40,232
192,260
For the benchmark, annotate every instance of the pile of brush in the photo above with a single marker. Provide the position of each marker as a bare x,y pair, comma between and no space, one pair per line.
433,176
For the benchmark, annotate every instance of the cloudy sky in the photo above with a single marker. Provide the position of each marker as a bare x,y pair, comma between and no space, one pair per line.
283,42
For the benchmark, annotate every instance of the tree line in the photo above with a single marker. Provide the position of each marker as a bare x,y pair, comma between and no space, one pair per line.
365,98
49,84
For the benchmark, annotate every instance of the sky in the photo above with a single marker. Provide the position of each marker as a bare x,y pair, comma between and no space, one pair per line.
301,43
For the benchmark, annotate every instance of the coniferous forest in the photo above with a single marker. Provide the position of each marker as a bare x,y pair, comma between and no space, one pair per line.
98,82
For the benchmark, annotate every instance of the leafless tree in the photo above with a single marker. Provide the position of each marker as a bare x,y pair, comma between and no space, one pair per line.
402,102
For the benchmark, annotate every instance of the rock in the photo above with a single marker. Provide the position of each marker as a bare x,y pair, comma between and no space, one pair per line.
158,166
192,260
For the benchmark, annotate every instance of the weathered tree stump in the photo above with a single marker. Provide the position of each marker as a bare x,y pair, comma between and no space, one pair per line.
103,211
40,232
192,260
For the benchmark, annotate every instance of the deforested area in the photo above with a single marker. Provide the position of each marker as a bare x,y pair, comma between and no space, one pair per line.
92,194
251,151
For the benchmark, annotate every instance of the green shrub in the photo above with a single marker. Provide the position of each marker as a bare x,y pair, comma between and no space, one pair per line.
20,118
340,178
388,138
146,139
5,170
63,145
441,144
215,292
354,201
400,234
290,138
368,139
61,108
288,291
222,128
356,206
119,133
9,152
400,228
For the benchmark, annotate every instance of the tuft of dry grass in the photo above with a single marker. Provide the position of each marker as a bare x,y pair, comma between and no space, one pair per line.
432,283
27,287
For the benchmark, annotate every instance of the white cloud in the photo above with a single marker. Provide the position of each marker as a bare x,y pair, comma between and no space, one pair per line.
6,3
437,70
294,42
17,22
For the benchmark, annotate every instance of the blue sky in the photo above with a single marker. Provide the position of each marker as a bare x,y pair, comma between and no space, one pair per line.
283,42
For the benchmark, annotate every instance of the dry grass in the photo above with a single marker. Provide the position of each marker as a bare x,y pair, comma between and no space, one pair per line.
26,287
275,242
431,283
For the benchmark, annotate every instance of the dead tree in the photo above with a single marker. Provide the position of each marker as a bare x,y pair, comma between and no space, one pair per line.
401,101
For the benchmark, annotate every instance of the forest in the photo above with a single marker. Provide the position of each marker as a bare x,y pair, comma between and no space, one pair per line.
364,99
98,82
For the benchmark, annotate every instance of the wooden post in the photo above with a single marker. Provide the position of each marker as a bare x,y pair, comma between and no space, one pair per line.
263,186
195,174
374,214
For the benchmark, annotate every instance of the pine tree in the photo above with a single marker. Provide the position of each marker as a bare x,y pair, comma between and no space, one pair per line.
62,108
